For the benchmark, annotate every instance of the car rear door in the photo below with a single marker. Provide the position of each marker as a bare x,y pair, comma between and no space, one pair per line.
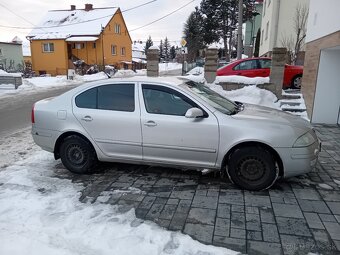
168,136
110,114
249,68
265,65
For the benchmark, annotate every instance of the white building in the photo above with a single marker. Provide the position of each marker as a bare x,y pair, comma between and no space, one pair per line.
277,23
138,55
321,78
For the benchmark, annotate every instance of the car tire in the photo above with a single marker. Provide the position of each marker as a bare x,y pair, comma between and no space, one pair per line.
78,155
252,168
296,82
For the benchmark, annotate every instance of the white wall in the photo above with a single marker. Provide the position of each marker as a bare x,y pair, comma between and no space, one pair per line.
327,96
324,18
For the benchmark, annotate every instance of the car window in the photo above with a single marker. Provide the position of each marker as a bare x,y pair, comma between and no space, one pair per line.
265,63
116,97
246,65
163,100
87,99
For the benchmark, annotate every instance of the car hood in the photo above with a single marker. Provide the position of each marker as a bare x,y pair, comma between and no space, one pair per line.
271,115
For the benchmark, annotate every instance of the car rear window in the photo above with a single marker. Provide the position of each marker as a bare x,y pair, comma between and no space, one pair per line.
115,97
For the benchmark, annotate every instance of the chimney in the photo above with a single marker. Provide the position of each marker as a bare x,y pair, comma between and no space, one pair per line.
73,7
88,7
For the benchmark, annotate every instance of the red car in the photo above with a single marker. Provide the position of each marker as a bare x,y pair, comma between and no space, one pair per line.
260,67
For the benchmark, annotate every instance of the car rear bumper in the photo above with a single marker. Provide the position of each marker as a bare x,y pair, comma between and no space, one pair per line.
44,138
297,161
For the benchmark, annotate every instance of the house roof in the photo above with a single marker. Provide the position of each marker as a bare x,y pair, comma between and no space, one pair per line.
61,24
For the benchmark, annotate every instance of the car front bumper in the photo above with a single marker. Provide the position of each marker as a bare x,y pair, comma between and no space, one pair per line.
297,161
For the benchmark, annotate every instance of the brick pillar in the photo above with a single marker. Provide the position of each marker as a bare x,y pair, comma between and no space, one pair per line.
279,57
210,66
152,57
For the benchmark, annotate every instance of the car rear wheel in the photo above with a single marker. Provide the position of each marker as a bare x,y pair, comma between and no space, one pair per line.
296,82
78,155
252,168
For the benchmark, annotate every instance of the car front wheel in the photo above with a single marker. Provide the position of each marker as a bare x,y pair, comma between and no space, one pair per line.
252,168
78,155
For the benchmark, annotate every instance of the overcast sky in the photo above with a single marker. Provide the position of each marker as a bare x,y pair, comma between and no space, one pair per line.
34,10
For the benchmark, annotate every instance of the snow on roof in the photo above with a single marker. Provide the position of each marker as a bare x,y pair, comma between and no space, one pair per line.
82,39
61,24
136,46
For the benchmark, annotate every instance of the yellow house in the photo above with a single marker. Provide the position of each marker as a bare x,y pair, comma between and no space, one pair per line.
97,36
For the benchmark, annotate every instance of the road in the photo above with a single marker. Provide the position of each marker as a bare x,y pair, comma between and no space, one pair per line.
15,110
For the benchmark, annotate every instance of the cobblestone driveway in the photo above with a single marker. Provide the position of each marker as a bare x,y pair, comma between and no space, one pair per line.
295,216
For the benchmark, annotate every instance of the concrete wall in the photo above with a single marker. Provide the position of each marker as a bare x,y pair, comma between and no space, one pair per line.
323,19
8,52
327,97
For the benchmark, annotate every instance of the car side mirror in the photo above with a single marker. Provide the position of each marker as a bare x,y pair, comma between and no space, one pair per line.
194,113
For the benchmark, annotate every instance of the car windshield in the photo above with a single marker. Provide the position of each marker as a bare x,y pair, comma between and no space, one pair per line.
214,99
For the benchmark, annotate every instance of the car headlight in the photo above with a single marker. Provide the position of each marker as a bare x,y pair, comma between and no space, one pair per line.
304,140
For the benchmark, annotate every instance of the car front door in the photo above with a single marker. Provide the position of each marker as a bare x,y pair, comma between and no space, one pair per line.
248,68
110,114
168,136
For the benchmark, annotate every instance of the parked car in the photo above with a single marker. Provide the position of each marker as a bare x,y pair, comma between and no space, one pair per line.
260,67
173,122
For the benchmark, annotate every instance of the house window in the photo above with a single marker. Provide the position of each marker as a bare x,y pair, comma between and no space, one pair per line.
80,46
122,51
267,28
113,49
262,36
117,28
94,45
48,47
73,45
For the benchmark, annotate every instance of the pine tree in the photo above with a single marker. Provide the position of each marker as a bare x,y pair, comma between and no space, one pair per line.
161,48
166,49
193,34
148,44
172,52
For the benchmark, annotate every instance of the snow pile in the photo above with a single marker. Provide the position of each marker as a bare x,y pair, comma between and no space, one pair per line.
124,73
165,67
242,79
196,71
250,95
141,72
91,77
41,214
4,73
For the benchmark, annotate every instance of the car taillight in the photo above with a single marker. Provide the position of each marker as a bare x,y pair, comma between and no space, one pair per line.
32,115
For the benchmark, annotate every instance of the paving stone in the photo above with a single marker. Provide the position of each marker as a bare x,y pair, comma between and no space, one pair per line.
253,222
254,235
182,194
230,243
237,233
334,206
222,227
270,233
337,218
292,226
141,213
267,216
203,233
223,211
250,209
205,202
132,197
260,248
330,195
313,220
313,206
238,220
202,216
297,244
183,206
154,211
178,221
201,192
213,193
327,217
260,201
237,208
309,194
147,202
333,230
324,244
277,200
287,210
172,201
231,197
168,212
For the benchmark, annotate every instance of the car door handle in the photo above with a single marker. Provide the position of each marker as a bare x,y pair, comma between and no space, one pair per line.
150,123
87,118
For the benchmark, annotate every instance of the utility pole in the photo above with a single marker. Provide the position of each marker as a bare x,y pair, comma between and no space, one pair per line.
239,29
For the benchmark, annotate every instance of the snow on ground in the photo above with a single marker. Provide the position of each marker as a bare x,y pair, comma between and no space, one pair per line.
168,67
4,73
40,213
242,79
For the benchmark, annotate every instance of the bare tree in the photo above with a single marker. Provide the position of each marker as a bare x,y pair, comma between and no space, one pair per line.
294,44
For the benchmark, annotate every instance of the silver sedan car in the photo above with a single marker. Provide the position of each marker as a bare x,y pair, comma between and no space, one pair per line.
173,122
